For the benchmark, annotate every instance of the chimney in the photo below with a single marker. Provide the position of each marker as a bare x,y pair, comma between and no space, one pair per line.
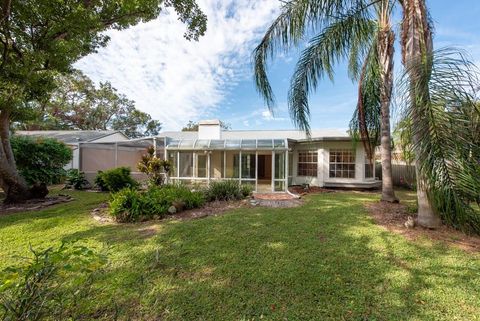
209,129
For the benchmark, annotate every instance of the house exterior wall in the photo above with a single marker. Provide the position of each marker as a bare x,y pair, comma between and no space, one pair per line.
323,152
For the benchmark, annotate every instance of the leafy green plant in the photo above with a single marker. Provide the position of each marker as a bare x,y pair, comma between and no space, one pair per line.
130,205
115,179
227,190
76,179
155,168
127,205
49,284
40,160
99,182
246,190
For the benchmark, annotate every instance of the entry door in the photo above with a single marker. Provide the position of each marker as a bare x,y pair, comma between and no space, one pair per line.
264,167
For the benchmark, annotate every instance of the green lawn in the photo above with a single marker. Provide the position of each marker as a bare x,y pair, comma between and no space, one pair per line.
326,260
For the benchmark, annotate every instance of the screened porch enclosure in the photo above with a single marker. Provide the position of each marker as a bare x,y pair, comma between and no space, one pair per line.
260,163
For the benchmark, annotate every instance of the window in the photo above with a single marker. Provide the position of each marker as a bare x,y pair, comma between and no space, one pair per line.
307,163
186,164
342,163
248,166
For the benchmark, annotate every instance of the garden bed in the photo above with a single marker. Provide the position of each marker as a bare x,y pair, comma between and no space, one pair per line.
215,208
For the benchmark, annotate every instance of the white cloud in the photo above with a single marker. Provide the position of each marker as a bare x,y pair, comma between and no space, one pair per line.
176,80
267,115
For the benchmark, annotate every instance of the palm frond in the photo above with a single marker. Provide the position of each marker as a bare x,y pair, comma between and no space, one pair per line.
333,44
297,17
365,124
442,106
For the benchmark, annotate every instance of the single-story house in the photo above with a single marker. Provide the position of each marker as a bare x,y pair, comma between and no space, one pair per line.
73,138
269,160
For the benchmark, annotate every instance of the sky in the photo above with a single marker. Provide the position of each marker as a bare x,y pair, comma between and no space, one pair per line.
176,80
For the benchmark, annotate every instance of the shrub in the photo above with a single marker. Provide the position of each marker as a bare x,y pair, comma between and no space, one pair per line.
130,205
40,160
246,190
50,285
227,190
99,182
76,179
154,167
115,179
127,205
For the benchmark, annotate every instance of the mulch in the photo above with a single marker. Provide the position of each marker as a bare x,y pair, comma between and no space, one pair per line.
217,208
34,204
393,216
301,191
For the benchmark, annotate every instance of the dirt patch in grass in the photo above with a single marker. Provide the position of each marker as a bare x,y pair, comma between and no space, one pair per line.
300,190
393,218
34,204
210,209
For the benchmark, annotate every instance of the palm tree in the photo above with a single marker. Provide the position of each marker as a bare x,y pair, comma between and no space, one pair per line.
347,31
443,113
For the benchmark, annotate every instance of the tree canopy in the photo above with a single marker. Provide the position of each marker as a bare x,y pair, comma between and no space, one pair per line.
76,103
41,38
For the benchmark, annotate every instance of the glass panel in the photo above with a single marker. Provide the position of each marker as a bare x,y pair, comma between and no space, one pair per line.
248,165
202,143
279,186
232,164
264,143
368,170
279,165
201,165
232,143
216,164
173,143
307,163
251,183
186,164
217,143
249,143
342,163
290,164
186,143
279,143
172,157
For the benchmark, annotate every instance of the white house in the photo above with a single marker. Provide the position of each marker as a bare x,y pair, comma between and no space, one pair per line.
269,160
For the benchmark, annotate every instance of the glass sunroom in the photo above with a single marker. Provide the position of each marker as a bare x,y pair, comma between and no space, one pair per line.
261,163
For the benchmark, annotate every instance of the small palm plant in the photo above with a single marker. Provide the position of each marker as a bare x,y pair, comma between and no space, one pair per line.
155,168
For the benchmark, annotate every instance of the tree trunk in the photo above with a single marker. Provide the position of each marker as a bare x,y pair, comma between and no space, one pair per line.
14,186
386,41
416,45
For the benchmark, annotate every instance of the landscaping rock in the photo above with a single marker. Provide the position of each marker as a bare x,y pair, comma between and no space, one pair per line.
172,210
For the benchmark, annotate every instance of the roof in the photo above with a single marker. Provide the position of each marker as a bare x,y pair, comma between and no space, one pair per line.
70,136
209,122
223,144
323,134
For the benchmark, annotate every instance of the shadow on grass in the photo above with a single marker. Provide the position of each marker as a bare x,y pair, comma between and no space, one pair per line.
323,261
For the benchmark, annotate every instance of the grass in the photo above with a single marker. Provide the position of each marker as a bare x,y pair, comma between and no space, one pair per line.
326,260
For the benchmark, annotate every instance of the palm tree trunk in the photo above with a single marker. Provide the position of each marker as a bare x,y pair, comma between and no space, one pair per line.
14,186
416,45
386,41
